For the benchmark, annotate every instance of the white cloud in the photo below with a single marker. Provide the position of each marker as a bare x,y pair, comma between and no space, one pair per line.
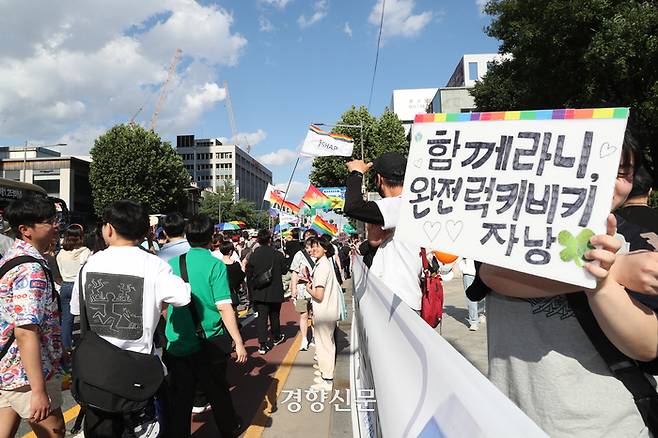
265,25
279,157
68,71
202,98
281,4
481,4
347,29
80,141
243,138
319,12
296,190
399,18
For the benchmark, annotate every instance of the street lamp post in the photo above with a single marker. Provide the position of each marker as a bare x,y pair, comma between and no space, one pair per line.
25,155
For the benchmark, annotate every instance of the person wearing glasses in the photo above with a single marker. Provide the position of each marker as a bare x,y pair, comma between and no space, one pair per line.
30,336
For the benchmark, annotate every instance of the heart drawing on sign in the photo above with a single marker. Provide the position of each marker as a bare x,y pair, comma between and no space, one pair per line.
607,150
432,229
454,229
418,163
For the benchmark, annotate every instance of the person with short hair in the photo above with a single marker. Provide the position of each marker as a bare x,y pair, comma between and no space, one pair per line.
267,296
124,276
192,364
381,218
324,290
70,259
30,336
173,227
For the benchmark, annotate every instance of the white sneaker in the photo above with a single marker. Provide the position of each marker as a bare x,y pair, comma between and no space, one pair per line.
474,327
323,385
304,345
312,343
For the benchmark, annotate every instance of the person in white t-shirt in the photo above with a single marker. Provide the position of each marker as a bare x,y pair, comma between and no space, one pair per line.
397,264
142,283
301,267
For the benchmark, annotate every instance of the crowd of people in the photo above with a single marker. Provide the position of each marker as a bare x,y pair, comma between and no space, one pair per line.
178,302
176,295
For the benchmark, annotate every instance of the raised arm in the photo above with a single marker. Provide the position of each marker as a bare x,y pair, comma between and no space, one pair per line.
355,206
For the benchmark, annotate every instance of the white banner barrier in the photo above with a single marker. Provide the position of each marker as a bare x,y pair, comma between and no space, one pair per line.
423,386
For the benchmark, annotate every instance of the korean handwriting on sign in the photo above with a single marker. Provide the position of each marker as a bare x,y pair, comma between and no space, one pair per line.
525,154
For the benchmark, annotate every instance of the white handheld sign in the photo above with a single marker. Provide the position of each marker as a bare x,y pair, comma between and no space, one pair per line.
524,190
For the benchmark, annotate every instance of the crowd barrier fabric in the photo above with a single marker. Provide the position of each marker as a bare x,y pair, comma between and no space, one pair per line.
423,387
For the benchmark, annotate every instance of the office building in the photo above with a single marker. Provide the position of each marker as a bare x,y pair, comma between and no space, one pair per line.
211,163
455,96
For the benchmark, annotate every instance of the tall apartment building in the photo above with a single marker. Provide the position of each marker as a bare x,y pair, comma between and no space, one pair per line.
211,163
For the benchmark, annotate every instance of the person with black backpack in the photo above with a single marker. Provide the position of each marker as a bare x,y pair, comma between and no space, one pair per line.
119,295
30,340
200,335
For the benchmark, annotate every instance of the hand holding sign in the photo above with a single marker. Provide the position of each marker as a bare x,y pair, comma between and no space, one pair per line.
525,190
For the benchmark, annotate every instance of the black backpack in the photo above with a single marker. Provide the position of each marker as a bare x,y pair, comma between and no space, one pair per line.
108,378
11,264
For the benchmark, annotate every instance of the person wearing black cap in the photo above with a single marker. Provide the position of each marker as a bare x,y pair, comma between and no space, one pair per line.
381,218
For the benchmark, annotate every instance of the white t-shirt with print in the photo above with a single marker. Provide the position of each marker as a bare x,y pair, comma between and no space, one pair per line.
125,288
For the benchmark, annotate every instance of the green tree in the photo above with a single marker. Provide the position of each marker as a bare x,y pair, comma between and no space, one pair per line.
210,202
130,162
379,135
576,53
241,210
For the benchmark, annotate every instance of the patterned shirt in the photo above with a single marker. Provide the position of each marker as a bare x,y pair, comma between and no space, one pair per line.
27,297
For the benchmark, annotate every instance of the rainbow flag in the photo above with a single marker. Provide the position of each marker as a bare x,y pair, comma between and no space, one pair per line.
323,227
294,208
315,199
276,198
319,143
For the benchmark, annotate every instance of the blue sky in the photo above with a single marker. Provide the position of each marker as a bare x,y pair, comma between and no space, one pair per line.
73,72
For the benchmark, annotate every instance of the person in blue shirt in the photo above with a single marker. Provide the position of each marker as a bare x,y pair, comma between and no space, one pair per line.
174,230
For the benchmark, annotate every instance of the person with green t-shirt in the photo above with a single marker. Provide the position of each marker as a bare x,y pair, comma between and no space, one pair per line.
191,362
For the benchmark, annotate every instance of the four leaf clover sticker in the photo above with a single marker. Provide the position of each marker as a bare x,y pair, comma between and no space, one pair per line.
575,247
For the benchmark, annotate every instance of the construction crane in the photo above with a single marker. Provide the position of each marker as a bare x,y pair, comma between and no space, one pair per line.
231,119
165,87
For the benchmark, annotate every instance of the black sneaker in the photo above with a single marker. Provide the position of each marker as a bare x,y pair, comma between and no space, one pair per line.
263,349
279,340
